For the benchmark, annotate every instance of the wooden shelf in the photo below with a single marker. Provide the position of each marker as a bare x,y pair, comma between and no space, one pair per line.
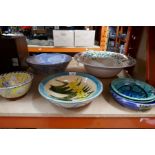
101,47
36,48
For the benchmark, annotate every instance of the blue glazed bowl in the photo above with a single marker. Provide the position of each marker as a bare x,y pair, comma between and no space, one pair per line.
132,104
70,89
133,89
49,63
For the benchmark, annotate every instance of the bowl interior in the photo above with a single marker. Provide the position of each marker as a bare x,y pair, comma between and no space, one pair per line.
105,59
49,59
14,79
70,88
131,101
133,89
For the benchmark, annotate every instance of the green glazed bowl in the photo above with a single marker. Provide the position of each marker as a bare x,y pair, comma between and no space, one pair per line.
133,89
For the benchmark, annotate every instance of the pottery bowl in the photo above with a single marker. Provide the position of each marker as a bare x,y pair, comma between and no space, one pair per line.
15,84
133,89
70,89
134,105
104,64
49,63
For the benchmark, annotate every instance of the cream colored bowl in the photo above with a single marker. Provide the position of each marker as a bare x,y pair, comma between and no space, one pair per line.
15,84
70,89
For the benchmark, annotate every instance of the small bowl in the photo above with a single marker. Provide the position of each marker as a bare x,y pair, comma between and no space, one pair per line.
140,106
133,89
49,63
70,89
104,64
15,84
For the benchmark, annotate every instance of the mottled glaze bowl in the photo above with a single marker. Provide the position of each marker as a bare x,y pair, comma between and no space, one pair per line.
70,89
134,105
104,64
133,89
15,84
49,63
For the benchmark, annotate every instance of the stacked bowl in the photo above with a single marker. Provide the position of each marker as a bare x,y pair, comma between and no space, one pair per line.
134,94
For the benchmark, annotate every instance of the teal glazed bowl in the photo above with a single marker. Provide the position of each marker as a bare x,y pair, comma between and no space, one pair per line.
70,89
133,89
134,105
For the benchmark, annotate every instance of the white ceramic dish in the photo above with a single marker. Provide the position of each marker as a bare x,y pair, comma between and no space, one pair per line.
104,64
70,89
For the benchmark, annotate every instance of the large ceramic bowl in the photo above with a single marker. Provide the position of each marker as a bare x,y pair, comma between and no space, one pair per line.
49,63
104,64
15,84
70,89
134,105
133,89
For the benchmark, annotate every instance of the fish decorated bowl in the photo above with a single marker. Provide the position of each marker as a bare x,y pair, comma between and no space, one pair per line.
104,64
70,89
15,84
134,105
50,63
133,89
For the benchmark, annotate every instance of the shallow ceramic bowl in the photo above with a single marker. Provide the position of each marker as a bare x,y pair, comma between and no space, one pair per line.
49,63
104,64
15,84
70,89
133,89
132,104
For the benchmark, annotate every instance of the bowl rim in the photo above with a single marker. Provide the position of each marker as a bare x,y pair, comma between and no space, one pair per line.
92,78
19,85
129,57
136,81
42,64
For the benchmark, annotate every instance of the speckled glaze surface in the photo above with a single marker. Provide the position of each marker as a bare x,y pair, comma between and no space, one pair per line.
134,105
133,89
104,64
70,89
15,84
49,63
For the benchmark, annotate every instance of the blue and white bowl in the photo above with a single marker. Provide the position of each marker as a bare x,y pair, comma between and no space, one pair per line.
70,89
134,105
49,63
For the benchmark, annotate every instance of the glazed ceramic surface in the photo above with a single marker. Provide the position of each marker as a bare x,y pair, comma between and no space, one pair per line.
104,63
70,89
49,63
15,84
133,89
132,104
